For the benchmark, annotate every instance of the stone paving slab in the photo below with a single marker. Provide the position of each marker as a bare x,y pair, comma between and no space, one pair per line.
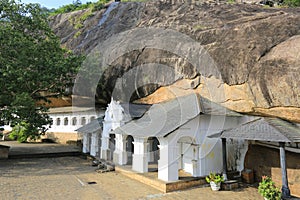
68,178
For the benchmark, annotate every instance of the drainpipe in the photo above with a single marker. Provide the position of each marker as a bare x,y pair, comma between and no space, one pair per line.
224,152
285,187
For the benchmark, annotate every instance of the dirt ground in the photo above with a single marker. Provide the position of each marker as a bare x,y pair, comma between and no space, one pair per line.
75,178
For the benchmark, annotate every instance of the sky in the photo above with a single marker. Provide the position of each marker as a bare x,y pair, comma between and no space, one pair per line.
53,3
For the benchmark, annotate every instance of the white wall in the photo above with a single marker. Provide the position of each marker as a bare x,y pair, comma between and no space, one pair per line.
209,150
70,128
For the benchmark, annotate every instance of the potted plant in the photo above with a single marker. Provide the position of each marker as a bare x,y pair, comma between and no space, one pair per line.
215,181
268,189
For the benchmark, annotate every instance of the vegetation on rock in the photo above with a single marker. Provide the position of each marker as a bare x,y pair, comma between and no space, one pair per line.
292,3
77,5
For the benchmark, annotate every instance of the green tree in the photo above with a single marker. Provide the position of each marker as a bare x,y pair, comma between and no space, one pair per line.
32,64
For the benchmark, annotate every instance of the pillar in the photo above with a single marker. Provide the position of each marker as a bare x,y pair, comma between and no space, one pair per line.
94,144
85,147
196,161
224,153
105,151
285,187
120,154
140,158
180,162
168,162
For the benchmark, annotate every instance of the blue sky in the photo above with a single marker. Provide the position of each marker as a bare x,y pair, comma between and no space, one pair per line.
53,3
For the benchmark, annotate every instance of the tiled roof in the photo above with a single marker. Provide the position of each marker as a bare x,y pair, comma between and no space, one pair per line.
69,109
93,126
162,119
264,129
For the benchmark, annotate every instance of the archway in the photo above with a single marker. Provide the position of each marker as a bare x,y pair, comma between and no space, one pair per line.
187,154
153,149
153,154
129,149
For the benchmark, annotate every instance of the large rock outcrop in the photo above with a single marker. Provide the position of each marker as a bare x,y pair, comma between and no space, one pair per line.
250,55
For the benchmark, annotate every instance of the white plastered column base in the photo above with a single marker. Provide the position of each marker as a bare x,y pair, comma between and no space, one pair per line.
140,163
105,154
168,163
120,154
120,157
94,144
85,148
140,157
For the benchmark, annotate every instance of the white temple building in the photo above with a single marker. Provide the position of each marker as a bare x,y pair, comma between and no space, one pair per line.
173,134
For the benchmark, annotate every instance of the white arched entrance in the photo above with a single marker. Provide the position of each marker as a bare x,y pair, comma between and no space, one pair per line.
187,154
153,150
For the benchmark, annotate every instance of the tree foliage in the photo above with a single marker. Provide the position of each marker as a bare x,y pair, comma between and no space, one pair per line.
32,64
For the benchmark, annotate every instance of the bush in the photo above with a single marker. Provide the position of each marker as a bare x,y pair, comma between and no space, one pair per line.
24,131
268,189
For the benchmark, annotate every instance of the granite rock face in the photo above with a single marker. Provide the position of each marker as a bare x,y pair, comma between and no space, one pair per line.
244,57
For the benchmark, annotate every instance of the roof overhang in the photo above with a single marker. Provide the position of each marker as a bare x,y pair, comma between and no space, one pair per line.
263,129
163,118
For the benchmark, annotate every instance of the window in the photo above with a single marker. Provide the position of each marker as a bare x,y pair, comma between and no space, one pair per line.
58,121
74,121
92,118
83,121
66,121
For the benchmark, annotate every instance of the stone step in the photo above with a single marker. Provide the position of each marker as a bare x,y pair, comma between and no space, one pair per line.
159,184
230,185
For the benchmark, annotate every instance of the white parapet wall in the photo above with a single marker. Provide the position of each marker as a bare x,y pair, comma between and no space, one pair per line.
66,120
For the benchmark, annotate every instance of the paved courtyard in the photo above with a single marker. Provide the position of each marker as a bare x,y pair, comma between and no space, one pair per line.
75,178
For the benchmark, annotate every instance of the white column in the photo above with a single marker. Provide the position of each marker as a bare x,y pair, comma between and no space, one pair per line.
94,144
196,161
120,154
285,185
85,147
168,162
180,159
140,158
105,152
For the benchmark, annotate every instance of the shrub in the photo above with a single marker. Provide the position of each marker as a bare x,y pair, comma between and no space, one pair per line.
268,189
24,131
